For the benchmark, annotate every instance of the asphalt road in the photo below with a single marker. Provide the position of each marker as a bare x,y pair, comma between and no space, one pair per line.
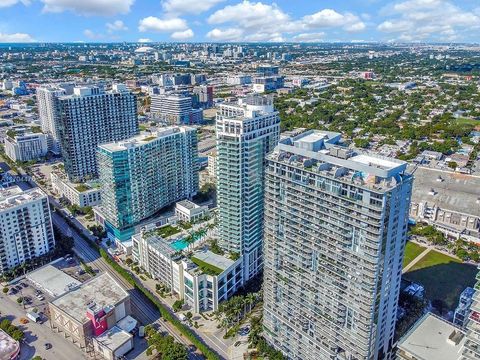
143,309
36,335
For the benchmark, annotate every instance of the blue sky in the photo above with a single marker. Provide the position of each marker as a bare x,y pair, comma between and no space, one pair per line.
239,20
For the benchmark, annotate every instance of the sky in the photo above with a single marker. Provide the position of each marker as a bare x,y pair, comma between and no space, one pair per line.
239,20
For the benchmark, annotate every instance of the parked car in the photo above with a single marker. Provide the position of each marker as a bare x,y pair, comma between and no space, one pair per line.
48,346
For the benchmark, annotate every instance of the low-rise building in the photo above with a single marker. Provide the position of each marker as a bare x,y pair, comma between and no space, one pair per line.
25,146
78,194
113,343
431,338
87,312
188,211
201,278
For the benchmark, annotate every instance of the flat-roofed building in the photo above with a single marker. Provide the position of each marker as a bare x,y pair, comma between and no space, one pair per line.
25,146
335,230
201,278
188,211
113,343
81,194
144,174
431,338
25,226
89,117
89,310
246,132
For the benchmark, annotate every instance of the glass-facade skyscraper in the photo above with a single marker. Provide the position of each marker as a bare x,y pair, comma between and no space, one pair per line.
144,174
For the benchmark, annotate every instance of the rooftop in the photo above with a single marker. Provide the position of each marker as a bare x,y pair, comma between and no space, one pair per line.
102,290
432,338
144,138
113,338
319,150
453,191
8,346
14,196
211,258
53,280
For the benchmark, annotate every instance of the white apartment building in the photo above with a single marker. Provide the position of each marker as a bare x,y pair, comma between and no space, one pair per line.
188,211
335,233
47,102
89,117
78,194
25,226
212,165
203,286
175,109
246,132
26,146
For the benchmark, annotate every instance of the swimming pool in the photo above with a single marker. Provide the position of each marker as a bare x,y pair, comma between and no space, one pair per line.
182,244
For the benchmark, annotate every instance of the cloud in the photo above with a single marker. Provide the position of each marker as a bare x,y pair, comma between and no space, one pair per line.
144,40
231,34
258,21
117,25
182,35
328,18
417,20
309,37
181,7
92,35
16,38
88,7
155,24
7,3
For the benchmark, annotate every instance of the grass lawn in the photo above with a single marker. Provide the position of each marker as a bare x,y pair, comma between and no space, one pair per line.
464,120
443,277
412,250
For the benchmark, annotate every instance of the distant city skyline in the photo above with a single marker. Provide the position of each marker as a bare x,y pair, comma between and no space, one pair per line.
239,21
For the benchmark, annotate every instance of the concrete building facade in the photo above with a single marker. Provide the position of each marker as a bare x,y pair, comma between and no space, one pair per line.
25,226
335,233
26,146
246,132
89,117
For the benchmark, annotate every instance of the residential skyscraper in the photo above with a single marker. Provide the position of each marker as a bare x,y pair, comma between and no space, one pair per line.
142,175
25,226
89,117
47,102
335,233
246,132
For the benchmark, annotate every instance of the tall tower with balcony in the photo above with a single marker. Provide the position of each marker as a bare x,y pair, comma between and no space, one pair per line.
246,132
335,233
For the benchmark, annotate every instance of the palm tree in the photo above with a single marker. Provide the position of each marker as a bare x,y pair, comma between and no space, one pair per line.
251,298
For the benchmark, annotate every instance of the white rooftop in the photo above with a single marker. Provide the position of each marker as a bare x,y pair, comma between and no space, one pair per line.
431,338
376,161
113,338
213,259
14,196
144,138
102,290
53,280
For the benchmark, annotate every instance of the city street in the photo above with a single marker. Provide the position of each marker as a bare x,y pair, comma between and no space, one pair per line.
37,335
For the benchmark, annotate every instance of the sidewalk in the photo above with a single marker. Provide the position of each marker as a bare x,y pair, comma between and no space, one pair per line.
207,327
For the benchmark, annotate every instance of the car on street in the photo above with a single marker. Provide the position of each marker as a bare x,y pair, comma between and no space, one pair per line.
48,346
